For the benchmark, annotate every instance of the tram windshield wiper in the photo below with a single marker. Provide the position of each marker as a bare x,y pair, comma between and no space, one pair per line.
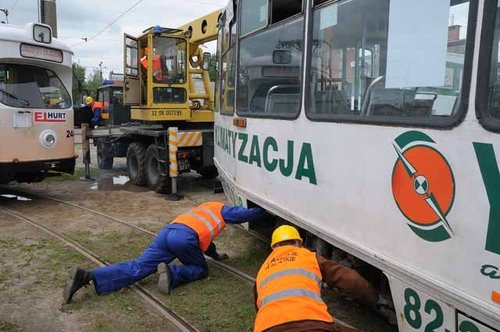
22,101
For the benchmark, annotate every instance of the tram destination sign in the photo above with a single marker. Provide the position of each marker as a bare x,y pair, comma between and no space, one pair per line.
42,53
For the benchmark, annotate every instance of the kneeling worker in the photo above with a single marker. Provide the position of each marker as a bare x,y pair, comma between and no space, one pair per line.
288,287
187,237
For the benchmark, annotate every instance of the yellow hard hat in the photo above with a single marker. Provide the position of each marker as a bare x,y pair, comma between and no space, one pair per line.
89,100
285,233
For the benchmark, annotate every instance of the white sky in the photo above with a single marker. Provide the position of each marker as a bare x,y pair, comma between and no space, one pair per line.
79,19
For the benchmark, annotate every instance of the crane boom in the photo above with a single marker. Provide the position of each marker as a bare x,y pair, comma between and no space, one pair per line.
203,29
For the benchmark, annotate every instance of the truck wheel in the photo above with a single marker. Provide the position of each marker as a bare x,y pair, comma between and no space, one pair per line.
104,161
136,163
209,172
156,181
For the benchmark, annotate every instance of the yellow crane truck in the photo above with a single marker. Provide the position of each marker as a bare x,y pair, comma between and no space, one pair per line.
166,83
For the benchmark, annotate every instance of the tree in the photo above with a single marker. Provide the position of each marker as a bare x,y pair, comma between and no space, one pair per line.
78,82
212,70
93,82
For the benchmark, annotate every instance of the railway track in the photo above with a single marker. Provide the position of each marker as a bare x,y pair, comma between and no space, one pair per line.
220,265
229,269
177,321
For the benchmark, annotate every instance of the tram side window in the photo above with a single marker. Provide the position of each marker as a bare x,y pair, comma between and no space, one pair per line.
254,15
270,63
362,53
282,9
228,82
227,68
494,85
24,86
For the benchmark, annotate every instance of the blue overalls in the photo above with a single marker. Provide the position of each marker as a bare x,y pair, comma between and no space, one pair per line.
174,241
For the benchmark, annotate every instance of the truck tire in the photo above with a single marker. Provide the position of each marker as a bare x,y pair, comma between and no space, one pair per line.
104,161
160,183
136,163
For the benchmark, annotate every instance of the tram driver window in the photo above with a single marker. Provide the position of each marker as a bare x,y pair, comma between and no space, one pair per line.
32,87
356,67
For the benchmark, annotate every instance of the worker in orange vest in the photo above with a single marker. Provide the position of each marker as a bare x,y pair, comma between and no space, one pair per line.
187,237
96,107
288,287
158,72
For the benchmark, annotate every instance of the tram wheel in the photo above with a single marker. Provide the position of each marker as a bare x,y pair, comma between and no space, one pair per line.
104,161
136,163
160,183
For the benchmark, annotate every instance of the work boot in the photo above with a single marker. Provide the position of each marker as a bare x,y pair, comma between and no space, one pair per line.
165,279
220,257
79,278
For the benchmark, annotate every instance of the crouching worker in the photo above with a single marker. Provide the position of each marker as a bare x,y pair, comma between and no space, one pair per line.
187,237
288,287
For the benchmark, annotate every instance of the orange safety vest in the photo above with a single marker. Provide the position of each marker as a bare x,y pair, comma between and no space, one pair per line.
206,220
97,104
289,289
157,72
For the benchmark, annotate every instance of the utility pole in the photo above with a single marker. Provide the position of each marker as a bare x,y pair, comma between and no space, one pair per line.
100,70
48,14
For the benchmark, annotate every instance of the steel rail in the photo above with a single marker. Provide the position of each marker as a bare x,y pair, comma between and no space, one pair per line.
218,264
149,298
222,266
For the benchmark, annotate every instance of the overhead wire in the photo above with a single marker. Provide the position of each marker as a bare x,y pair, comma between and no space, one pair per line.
109,24
15,3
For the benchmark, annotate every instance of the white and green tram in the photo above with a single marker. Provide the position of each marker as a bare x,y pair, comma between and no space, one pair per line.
374,125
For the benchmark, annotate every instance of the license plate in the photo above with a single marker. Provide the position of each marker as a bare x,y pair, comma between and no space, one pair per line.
183,165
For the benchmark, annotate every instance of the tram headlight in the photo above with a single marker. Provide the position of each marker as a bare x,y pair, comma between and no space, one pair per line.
48,139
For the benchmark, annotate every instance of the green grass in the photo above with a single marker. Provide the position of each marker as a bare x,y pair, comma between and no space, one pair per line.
250,261
220,303
79,173
8,327
113,246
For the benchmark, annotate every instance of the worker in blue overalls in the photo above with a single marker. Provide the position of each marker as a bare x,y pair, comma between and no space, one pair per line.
187,237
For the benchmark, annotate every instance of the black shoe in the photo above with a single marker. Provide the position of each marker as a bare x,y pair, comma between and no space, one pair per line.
164,279
78,280
221,257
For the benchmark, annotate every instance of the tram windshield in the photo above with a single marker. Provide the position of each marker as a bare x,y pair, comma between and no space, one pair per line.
368,61
24,86
494,83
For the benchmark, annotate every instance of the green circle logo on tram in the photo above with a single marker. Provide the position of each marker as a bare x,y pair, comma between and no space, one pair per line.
423,186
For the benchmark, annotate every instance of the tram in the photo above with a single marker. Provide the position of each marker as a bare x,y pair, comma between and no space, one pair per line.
36,115
373,126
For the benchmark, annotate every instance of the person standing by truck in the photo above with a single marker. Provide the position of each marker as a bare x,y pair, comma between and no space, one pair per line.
96,110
